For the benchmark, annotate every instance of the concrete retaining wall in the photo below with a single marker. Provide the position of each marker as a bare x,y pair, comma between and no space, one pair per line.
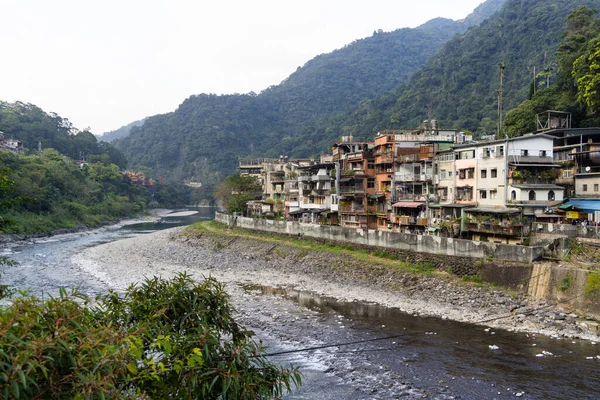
590,232
401,241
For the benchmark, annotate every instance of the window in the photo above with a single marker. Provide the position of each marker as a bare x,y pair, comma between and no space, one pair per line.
450,174
551,195
567,174
513,195
532,195
484,173
371,183
524,152
494,173
483,194
470,173
370,165
542,153
585,188
493,194
443,174
595,187
500,152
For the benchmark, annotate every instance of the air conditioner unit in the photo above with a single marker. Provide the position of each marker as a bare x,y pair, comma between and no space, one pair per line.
390,170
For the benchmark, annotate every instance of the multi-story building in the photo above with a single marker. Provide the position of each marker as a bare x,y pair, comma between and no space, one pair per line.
356,183
314,192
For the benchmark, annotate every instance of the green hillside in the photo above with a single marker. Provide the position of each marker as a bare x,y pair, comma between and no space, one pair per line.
37,129
459,85
204,138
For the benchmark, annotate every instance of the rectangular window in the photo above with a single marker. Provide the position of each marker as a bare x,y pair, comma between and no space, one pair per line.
500,151
585,188
484,173
450,174
371,183
482,194
595,187
494,173
493,194
524,152
370,165
567,173
542,153
470,173
443,174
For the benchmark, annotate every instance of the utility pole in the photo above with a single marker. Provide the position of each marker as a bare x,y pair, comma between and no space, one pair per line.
500,99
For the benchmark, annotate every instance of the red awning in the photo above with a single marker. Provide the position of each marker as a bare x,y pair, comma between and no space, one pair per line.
407,204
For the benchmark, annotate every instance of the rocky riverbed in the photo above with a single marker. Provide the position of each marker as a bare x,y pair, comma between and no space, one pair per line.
242,262
250,261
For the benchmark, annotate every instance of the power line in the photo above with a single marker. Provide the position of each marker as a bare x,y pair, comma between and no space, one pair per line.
483,321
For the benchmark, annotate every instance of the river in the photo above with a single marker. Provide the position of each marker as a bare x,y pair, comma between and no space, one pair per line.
424,357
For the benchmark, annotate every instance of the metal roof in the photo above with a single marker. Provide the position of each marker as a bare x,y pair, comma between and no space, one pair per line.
408,204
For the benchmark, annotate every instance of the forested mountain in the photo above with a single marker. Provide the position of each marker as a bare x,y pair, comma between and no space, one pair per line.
459,85
206,135
36,128
121,132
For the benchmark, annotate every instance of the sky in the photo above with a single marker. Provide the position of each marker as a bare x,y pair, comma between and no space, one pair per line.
103,64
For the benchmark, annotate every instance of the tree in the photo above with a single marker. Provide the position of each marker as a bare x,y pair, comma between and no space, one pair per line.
586,71
235,191
161,339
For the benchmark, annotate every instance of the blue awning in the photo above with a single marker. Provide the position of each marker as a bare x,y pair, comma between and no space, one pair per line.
587,206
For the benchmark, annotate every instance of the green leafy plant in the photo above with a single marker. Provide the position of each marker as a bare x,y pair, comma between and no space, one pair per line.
592,285
566,283
161,339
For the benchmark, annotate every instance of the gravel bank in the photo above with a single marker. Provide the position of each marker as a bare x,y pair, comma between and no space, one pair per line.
250,261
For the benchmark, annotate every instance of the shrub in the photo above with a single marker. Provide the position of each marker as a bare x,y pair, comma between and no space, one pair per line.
592,284
160,339
566,282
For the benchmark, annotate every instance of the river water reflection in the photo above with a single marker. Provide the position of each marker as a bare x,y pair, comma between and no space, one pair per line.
440,352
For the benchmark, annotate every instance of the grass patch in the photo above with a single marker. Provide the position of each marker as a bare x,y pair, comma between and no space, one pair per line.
472,279
422,268
592,284
566,283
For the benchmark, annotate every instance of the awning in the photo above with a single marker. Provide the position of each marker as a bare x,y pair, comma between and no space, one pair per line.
344,180
588,206
491,210
408,204
523,164
296,212
376,196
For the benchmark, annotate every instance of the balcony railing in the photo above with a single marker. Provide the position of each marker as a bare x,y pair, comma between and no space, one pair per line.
320,178
502,229
406,220
347,208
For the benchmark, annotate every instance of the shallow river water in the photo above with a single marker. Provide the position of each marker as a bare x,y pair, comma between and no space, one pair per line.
442,359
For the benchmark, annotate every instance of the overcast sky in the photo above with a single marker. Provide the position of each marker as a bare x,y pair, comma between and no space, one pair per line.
103,64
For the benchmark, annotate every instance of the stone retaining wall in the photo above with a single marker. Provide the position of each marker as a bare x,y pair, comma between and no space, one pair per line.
391,240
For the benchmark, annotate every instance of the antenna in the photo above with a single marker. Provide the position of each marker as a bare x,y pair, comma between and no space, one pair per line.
502,66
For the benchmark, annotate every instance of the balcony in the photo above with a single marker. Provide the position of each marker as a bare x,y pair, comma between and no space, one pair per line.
321,178
351,208
496,228
519,159
410,158
406,220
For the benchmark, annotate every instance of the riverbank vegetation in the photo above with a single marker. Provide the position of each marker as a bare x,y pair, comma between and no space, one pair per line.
160,339
46,191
